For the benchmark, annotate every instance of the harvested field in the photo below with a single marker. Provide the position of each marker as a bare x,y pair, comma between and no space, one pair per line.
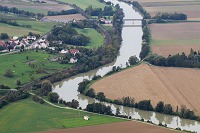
36,7
65,18
120,127
176,86
175,38
189,7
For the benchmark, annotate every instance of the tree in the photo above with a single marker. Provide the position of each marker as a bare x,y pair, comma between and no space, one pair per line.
75,104
9,73
100,96
133,60
53,97
168,109
117,112
46,87
91,93
4,36
18,82
159,107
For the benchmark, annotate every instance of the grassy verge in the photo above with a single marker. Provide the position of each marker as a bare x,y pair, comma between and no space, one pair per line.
97,38
28,116
85,3
19,64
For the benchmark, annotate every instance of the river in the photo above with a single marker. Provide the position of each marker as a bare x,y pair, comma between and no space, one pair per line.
131,45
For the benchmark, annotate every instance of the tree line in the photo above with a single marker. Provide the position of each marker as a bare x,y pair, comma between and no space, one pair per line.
107,11
178,60
13,23
14,10
170,16
63,12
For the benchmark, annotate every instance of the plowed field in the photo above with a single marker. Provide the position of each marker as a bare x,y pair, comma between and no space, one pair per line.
176,86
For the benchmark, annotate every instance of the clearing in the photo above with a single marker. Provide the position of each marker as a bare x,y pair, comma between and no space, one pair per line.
189,7
18,63
176,86
97,39
36,7
175,38
29,116
119,127
85,3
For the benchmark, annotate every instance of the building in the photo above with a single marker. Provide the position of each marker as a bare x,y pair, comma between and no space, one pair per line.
64,51
2,43
86,117
73,60
74,51
31,38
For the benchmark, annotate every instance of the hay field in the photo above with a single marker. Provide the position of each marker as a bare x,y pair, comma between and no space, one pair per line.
175,38
189,7
120,127
176,86
36,7
63,18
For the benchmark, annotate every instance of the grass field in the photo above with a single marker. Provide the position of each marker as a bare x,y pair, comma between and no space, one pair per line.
175,38
28,116
23,71
176,86
36,7
97,38
64,18
189,7
85,3
36,27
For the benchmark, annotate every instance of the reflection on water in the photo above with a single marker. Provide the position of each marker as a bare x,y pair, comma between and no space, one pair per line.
131,45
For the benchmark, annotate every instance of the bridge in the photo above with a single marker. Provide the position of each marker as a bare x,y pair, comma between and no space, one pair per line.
132,25
132,19
132,22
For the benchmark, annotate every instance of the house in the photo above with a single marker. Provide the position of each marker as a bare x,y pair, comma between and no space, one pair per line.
102,20
15,39
74,51
64,51
52,48
86,117
31,38
42,40
2,43
73,60
24,42
57,42
108,21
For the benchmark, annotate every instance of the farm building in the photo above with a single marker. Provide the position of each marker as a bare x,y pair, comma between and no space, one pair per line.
86,117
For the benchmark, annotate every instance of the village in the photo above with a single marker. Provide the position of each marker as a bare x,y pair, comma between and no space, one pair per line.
17,44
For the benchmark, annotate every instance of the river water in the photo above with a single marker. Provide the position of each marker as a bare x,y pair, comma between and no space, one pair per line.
131,45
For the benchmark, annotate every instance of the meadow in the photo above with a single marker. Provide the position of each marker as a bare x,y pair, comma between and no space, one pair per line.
36,7
175,86
97,38
174,38
29,116
19,64
84,4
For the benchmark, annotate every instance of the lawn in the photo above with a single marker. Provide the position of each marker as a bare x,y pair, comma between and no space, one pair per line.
19,64
28,116
85,3
36,27
97,38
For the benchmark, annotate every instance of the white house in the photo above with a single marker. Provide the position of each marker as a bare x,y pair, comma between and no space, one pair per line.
73,60
31,38
64,51
86,117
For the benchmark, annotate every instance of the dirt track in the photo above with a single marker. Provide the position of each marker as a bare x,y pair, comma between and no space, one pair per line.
176,86
120,127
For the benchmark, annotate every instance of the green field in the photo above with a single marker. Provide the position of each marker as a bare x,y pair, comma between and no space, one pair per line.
97,38
28,116
85,3
36,27
20,65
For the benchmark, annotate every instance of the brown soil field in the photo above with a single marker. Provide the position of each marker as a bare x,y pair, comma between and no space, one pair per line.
120,127
65,17
175,86
189,7
175,38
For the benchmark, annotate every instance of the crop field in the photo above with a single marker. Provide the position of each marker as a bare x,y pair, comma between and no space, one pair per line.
62,18
119,127
36,7
189,7
85,3
29,116
36,27
19,64
175,38
175,86
97,38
